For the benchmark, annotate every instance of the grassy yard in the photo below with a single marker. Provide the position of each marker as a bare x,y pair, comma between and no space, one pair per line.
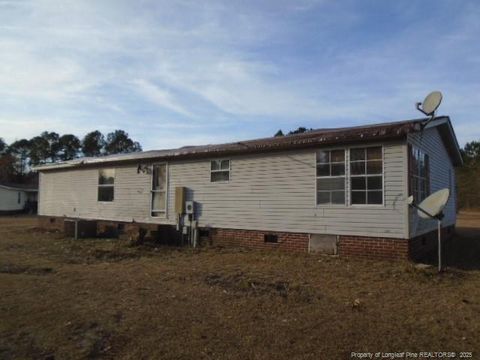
65,299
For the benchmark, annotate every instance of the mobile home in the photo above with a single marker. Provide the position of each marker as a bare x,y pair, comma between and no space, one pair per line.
342,190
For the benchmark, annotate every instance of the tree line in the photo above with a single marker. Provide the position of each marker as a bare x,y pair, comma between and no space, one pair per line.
299,130
468,177
17,158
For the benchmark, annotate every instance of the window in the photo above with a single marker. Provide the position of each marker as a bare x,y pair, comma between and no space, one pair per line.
219,170
159,190
106,180
331,177
19,197
366,175
419,164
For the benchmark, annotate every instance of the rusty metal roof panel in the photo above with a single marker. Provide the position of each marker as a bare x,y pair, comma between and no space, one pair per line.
314,138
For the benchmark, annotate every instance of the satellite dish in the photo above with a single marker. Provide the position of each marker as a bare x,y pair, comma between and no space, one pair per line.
431,103
433,205
431,208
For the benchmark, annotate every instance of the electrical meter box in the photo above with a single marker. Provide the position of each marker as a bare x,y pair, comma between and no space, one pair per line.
180,199
189,207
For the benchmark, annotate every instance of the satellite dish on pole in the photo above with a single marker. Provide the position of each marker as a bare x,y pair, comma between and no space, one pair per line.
434,204
432,208
431,103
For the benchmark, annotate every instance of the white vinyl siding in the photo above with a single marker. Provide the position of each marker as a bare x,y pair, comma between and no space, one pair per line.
441,170
268,192
74,194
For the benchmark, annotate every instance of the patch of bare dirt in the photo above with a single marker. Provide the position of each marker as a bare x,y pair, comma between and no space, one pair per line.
110,300
243,283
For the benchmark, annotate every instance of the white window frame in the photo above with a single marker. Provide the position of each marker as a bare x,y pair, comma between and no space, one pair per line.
106,185
366,175
221,170
161,213
331,177
416,176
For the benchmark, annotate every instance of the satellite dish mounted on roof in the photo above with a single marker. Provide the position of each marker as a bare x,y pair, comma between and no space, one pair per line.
430,105
432,208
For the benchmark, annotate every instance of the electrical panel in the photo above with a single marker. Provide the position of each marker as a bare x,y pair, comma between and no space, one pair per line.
180,200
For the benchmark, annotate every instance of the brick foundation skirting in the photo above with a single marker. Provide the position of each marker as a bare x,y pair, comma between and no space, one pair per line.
253,239
354,246
373,247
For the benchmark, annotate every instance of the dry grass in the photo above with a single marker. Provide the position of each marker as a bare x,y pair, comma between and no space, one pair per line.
68,299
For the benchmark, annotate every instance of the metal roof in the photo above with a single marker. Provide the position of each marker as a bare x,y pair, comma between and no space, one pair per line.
314,138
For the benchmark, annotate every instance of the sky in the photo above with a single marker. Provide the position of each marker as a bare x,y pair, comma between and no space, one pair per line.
175,73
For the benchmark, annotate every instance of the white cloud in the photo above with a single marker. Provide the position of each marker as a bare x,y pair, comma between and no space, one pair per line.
204,66
15,128
160,96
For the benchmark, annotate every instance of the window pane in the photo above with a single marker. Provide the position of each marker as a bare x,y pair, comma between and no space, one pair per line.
359,183
322,157
427,167
374,153
323,170
106,176
414,162
159,177
374,167
338,169
331,184
359,197
374,197
357,154
215,164
225,164
357,168
422,185
105,193
323,198
158,201
374,183
338,156
220,176
338,197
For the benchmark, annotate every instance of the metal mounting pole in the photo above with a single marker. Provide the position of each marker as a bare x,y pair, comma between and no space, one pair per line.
439,218
439,222
76,230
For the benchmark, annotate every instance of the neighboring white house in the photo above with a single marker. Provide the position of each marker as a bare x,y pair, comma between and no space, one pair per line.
14,197
347,185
